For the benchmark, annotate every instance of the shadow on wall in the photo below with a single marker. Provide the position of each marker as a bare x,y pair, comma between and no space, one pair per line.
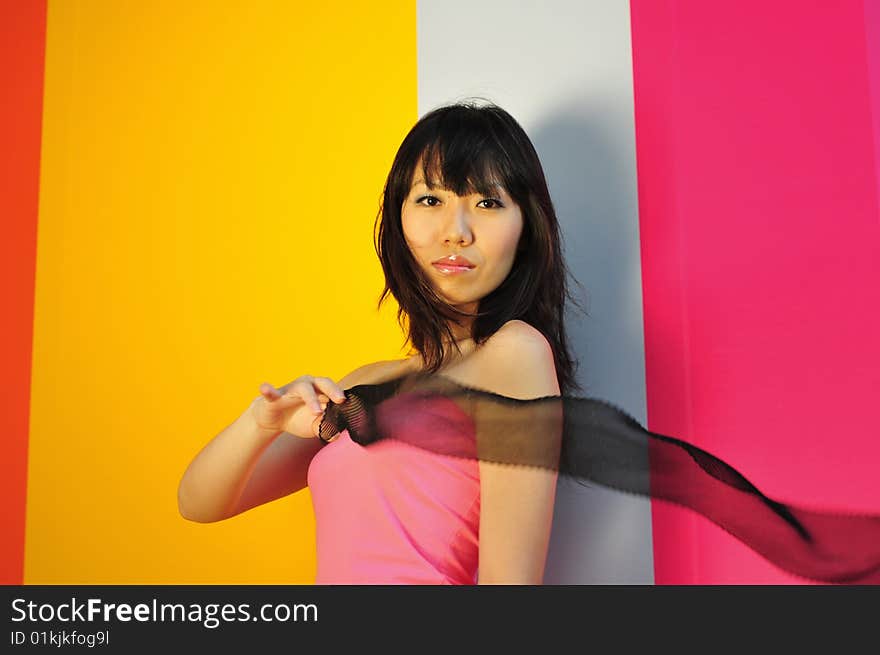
600,536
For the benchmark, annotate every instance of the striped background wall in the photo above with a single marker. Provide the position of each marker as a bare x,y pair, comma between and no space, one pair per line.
184,189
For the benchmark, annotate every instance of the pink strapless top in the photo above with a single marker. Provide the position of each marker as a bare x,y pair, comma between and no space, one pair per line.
393,513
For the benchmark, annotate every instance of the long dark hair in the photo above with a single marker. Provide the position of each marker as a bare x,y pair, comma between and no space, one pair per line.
465,148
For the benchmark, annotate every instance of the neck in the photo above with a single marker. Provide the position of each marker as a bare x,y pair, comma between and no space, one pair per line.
466,346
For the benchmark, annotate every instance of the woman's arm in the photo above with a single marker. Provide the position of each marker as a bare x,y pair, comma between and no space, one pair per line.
214,483
243,467
516,502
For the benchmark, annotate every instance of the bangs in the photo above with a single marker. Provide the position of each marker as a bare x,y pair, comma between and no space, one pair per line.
463,161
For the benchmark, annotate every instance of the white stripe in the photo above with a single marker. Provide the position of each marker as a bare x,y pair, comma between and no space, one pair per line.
564,70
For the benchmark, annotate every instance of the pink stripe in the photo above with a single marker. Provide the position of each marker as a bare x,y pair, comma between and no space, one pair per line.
760,258
872,39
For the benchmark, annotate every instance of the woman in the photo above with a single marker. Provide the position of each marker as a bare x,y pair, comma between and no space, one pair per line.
457,486
470,247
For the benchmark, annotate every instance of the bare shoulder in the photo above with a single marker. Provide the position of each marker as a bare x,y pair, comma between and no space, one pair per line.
517,361
517,334
518,329
372,373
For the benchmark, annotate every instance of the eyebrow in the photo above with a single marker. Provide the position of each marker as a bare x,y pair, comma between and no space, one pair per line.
494,186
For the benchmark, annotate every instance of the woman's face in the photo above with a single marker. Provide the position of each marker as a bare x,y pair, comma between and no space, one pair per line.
484,229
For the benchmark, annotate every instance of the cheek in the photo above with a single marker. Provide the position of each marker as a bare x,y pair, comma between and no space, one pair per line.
506,241
415,238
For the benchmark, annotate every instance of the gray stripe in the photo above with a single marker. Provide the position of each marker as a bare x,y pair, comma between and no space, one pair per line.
564,70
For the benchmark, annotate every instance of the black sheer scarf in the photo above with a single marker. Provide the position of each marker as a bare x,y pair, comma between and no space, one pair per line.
593,441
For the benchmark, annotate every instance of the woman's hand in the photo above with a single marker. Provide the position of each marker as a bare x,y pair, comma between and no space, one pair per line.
297,407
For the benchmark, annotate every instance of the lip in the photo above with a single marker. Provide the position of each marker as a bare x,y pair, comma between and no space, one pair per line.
454,261
447,269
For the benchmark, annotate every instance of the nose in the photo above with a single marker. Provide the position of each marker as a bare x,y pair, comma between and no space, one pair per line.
457,227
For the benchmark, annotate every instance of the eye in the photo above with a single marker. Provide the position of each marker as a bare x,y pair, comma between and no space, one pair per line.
498,203
419,201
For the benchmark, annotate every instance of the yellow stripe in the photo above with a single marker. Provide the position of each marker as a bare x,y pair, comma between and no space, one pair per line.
210,176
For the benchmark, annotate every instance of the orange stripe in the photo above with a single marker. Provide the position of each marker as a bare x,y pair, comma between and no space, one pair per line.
22,51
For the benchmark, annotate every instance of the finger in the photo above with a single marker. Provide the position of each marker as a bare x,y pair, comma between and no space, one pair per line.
333,390
281,395
269,392
307,393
